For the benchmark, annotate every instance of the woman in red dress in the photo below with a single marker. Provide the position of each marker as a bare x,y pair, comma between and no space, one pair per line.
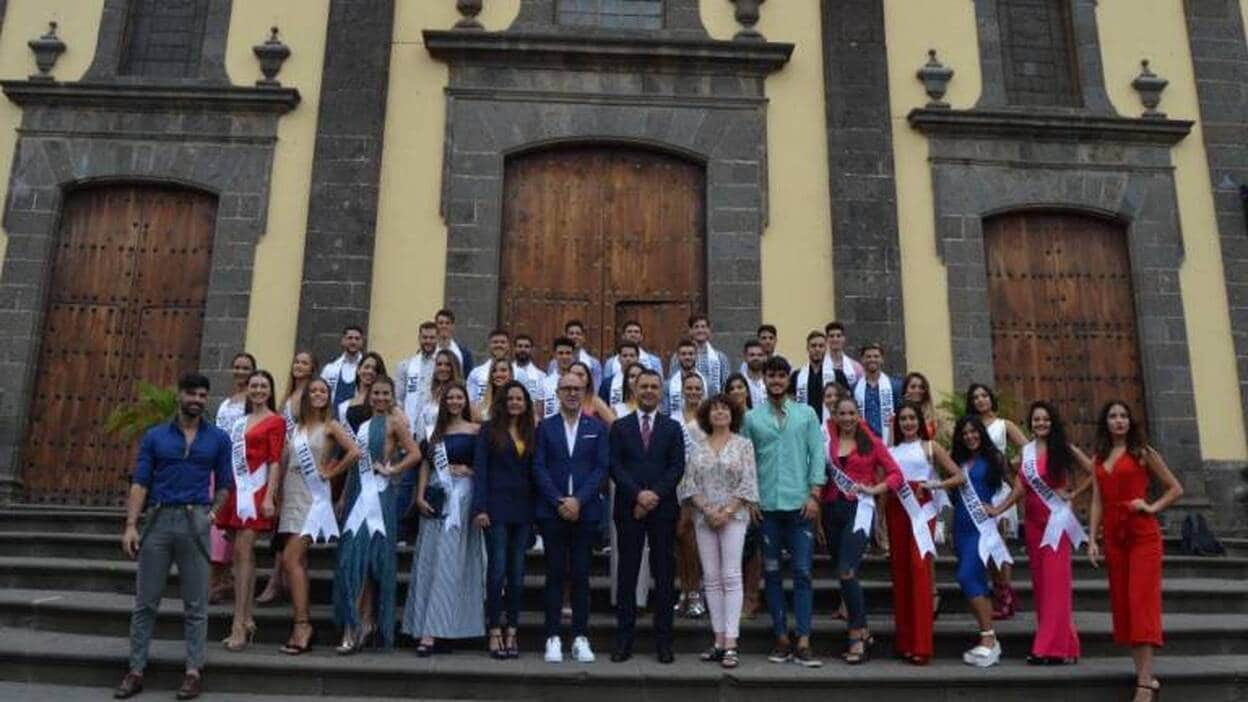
256,441
1125,466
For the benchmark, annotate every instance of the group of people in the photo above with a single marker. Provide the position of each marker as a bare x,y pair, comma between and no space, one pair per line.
715,474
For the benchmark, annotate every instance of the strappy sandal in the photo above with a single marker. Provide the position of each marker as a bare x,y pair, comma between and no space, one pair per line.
497,651
1154,687
293,649
234,645
853,657
714,654
424,650
512,646
350,644
730,659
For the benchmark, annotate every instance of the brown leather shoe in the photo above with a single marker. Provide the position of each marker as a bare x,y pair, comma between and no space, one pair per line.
130,686
192,685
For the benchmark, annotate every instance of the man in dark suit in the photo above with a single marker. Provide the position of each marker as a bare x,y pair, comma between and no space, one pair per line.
570,466
647,462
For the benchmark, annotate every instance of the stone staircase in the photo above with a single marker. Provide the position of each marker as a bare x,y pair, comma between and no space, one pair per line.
67,591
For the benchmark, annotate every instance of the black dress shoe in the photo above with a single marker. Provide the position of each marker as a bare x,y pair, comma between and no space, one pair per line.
620,655
666,656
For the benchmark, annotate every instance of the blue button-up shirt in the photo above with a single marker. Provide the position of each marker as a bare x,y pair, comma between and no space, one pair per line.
174,474
871,402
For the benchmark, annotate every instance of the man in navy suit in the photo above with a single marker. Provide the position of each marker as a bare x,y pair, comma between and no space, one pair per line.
647,462
570,466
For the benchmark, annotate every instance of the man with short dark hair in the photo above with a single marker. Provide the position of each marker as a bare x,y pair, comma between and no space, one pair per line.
175,470
711,362
647,462
526,371
767,335
340,372
445,319
685,360
415,375
574,329
838,365
631,332
755,358
563,356
627,353
877,393
479,378
806,383
791,466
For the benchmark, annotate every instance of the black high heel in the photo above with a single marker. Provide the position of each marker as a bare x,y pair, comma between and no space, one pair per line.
292,649
497,650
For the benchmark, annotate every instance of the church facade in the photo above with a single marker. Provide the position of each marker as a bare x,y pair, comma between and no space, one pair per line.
1044,195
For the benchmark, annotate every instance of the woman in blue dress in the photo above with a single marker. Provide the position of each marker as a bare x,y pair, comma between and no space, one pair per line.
364,579
975,534
445,593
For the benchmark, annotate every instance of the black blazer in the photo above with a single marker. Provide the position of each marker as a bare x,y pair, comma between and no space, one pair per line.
659,469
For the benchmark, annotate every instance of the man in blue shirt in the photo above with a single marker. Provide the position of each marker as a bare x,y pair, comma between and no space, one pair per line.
877,393
174,473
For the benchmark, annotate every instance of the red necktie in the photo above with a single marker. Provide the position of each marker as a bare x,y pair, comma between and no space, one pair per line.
645,431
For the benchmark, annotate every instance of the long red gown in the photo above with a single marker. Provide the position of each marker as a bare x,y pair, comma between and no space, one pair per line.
1133,551
1050,577
912,579
264,445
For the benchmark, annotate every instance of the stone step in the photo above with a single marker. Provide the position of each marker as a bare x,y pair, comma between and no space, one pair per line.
108,521
108,614
1182,595
35,692
75,659
321,557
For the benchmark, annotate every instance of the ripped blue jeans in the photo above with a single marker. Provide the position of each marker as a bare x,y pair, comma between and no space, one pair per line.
788,530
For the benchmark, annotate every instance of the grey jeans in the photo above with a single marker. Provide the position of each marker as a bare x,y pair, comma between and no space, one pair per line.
174,534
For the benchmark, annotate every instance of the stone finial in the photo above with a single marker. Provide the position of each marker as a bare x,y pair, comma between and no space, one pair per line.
469,9
1149,85
747,14
272,54
47,49
935,76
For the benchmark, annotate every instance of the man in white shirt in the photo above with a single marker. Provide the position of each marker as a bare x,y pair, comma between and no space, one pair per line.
415,375
574,329
527,372
631,332
340,372
564,355
711,362
685,360
612,390
479,377
847,371
445,319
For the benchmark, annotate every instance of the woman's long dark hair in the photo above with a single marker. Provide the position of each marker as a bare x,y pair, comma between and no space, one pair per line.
272,403
918,412
970,393
1136,441
862,435
381,364
749,397
444,416
316,366
499,425
1057,445
961,453
305,403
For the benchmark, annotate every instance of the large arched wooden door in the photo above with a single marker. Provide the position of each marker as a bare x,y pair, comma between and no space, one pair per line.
125,304
604,235
1063,314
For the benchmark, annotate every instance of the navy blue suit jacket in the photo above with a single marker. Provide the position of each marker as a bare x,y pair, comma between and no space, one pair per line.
587,466
502,482
635,468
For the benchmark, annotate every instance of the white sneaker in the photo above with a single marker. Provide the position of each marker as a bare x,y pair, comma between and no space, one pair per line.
982,656
581,650
554,650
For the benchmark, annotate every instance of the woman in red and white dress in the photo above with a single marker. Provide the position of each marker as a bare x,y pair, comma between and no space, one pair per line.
256,441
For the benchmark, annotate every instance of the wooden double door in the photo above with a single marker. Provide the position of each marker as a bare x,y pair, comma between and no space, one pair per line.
1063,315
125,304
603,235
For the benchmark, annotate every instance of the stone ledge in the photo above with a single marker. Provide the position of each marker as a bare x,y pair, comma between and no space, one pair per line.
1053,126
151,97
538,49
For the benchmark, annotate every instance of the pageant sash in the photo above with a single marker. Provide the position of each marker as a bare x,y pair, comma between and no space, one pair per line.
288,414
758,390
803,382
918,520
455,487
1062,519
416,389
885,387
617,389
531,377
339,370
711,369
676,393
551,400
847,367
320,522
479,380
246,482
366,512
991,547
865,514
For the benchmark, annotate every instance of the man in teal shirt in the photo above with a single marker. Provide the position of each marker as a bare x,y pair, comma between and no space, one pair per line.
788,448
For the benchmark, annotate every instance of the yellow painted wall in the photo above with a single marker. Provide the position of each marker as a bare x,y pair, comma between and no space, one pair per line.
279,255
911,29
1155,29
410,256
78,24
797,277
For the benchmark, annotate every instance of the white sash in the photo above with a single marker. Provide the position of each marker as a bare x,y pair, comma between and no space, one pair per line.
289,416
847,367
886,405
246,483
711,369
367,508
991,547
617,389
803,382
552,395
865,514
339,370
453,486
342,411
479,380
531,377
416,389
320,521
676,395
1062,519
758,390
918,519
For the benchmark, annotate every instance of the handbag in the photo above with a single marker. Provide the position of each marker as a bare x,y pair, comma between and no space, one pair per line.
435,495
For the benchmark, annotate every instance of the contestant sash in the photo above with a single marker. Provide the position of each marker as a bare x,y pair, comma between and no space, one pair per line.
366,511
320,522
454,486
847,368
676,392
711,369
1062,519
616,392
918,520
865,513
885,387
991,547
246,482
